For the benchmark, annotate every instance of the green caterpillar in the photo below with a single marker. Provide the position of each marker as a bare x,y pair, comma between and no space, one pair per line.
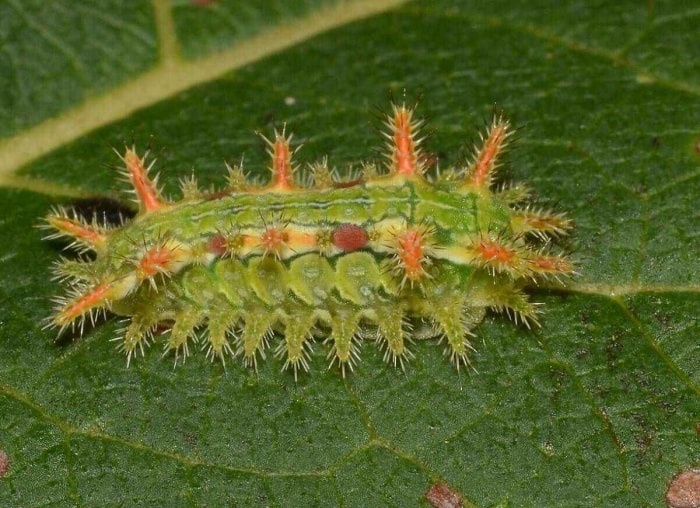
340,260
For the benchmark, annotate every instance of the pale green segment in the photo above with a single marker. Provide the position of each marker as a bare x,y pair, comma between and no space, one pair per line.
356,205
310,290
458,214
453,214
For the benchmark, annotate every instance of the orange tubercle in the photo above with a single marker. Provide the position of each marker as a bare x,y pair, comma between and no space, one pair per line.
493,252
411,252
274,240
156,260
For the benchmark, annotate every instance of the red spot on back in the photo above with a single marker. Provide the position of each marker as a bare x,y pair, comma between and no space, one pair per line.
217,245
350,237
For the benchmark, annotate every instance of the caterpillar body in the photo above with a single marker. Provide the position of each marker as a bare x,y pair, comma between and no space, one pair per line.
292,262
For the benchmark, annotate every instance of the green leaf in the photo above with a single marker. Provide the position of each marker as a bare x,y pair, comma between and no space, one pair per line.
598,407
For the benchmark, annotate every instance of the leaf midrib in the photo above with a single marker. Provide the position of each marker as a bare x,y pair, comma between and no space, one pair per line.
171,76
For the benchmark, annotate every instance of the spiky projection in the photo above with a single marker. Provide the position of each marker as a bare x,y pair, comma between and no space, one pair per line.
367,258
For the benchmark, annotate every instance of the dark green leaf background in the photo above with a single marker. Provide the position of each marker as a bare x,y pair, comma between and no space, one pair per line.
600,406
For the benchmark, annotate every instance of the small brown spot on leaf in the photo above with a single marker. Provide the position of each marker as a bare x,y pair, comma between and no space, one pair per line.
440,495
582,353
4,463
697,147
190,438
684,491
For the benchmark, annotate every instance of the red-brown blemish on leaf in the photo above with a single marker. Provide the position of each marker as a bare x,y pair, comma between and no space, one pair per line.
684,490
4,463
440,495
349,237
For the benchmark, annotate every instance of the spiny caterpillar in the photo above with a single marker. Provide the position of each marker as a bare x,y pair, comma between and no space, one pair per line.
345,260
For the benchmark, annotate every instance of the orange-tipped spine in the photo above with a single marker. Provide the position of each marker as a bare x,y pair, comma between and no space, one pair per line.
137,173
485,162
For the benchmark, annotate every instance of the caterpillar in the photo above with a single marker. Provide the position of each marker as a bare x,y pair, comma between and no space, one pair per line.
297,259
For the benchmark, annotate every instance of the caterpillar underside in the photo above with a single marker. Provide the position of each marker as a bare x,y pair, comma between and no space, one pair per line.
292,263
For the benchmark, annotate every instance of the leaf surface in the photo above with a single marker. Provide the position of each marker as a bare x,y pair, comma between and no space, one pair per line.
598,407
